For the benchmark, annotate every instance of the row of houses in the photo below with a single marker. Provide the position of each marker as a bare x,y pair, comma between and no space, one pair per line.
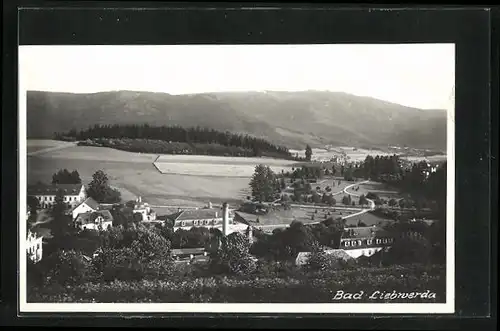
87,213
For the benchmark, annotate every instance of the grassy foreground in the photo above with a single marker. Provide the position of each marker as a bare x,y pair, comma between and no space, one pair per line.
286,286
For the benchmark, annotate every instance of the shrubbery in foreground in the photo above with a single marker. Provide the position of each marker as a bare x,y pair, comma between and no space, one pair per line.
290,286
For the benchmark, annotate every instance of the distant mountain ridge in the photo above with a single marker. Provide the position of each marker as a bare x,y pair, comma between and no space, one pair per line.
293,119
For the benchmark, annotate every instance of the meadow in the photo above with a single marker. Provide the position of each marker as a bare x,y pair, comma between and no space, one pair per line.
40,145
219,166
382,190
135,175
360,154
303,215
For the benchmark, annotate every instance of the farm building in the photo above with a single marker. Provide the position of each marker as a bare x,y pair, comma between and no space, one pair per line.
365,241
88,205
34,246
46,194
208,217
96,220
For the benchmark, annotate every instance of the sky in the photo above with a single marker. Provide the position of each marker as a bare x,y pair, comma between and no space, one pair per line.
414,75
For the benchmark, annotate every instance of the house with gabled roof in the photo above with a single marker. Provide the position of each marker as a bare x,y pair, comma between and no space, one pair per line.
367,240
96,220
219,218
74,194
88,205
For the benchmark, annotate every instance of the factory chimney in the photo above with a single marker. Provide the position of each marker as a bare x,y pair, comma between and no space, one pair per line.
225,219
250,234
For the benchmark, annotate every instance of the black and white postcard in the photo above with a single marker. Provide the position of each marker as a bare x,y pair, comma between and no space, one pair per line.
237,178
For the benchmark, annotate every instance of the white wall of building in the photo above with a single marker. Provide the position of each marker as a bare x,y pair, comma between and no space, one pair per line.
369,251
98,225
46,201
34,247
82,208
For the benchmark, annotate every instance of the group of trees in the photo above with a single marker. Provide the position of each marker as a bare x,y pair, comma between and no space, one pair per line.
285,244
308,172
63,176
178,134
124,254
264,184
100,190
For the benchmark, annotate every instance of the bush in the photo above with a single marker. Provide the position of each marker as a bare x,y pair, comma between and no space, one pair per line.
67,268
232,256
318,259
315,287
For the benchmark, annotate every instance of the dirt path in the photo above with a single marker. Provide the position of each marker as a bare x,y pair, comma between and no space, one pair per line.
51,149
371,202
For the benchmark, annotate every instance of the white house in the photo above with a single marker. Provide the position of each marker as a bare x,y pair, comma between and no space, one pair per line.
365,241
34,246
222,219
148,214
96,220
74,194
88,205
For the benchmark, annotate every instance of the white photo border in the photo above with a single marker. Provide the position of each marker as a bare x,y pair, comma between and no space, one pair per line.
268,308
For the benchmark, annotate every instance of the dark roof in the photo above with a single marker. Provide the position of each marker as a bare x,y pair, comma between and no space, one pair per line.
90,217
364,232
199,214
170,217
68,189
91,203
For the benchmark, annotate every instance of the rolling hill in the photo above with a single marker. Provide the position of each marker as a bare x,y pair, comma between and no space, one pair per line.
292,119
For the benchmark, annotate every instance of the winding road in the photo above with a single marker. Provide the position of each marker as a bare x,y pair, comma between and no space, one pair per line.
371,203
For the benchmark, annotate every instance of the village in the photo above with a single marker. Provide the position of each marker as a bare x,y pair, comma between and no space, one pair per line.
302,197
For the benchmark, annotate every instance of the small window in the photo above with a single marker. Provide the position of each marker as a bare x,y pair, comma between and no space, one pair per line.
378,241
216,221
369,241
183,223
346,244
195,222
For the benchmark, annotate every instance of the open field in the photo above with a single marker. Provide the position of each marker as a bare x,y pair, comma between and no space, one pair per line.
432,158
285,217
134,174
382,190
369,219
200,165
41,145
337,190
359,154
321,154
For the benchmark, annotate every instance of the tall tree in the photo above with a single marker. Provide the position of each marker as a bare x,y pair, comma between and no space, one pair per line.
100,190
33,206
308,153
61,223
263,183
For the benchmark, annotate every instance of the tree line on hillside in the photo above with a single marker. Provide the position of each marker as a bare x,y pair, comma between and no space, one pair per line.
177,134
